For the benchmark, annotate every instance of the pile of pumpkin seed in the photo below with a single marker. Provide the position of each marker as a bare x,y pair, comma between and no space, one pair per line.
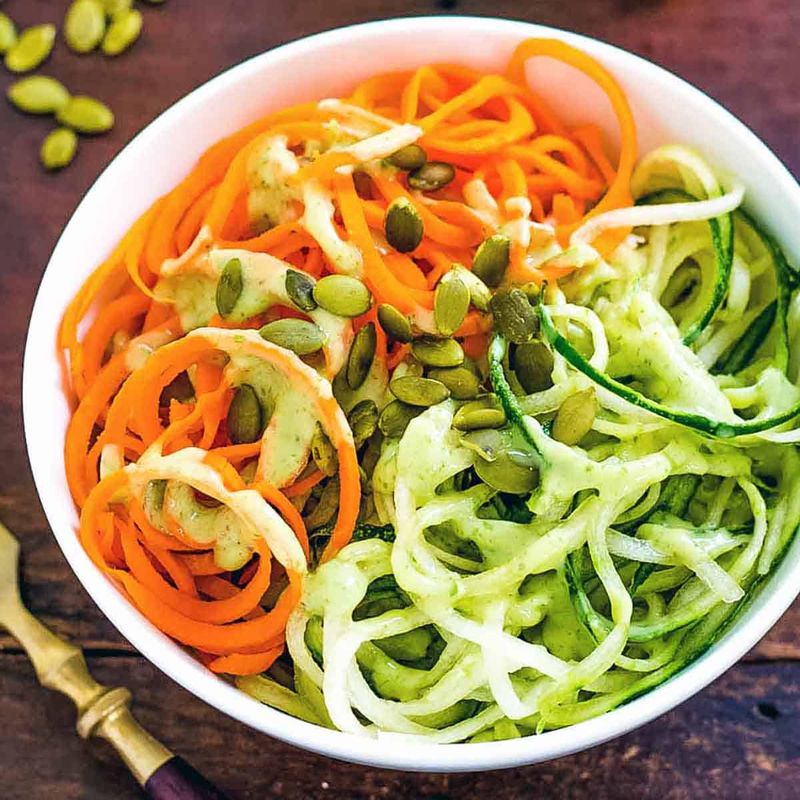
436,367
110,25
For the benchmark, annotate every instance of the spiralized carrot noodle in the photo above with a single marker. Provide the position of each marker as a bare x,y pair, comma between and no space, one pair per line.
298,195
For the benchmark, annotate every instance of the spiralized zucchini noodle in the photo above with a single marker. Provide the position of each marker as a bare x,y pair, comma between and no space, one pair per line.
417,414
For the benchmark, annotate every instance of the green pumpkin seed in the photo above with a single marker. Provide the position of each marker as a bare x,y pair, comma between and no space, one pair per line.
533,365
403,225
479,418
298,335
122,33
479,292
513,315
363,421
245,416
327,506
58,149
408,158
575,417
362,352
419,391
394,323
113,8
323,452
438,352
38,94
300,288
342,295
229,287
86,115
491,259
8,33
431,176
32,47
504,475
461,381
450,303
84,25
395,417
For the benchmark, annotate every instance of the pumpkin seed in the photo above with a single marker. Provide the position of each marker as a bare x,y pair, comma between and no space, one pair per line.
450,303
438,352
122,33
505,475
245,416
116,7
8,33
326,507
575,417
514,316
461,381
58,149
408,158
86,115
395,417
229,287
300,288
32,47
342,295
298,335
362,352
38,94
395,323
323,452
491,259
431,176
363,421
84,25
419,391
403,225
479,418
479,292
532,363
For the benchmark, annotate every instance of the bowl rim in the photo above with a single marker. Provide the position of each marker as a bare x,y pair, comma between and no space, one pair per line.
399,754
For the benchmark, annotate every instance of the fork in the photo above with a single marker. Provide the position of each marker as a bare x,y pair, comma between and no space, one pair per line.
103,712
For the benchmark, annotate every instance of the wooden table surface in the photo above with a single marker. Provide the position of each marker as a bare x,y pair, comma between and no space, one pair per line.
740,738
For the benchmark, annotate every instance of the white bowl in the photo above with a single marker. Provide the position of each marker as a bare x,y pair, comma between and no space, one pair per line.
666,109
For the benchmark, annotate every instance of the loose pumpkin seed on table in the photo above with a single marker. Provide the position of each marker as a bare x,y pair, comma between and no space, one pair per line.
245,420
84,25
403,225
58,149
342,295
451,303
122,33
298,335
229,287
86,115
8,33
31,49
38,94
362,353
418,391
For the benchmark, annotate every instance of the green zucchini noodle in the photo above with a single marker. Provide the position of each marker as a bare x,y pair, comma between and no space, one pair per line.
505,581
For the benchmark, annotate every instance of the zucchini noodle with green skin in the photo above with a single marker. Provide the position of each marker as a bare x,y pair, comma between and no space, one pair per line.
468,609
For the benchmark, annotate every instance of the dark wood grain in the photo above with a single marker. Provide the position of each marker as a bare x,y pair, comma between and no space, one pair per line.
739,739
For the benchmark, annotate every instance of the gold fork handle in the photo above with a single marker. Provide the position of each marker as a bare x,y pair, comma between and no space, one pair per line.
105,712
